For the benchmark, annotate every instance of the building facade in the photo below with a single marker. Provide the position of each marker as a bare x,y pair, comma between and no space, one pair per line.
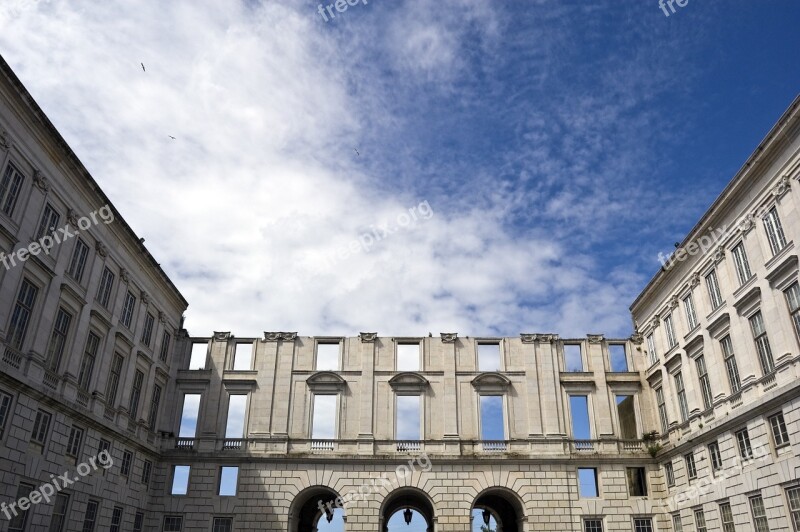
692,423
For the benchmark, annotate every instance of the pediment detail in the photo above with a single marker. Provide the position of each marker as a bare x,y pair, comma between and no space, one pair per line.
409,382
326,381
491,382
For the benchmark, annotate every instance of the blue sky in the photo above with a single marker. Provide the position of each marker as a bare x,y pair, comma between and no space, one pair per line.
411,166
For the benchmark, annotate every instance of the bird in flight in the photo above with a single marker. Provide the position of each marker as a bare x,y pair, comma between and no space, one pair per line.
143,69
173,138
357,152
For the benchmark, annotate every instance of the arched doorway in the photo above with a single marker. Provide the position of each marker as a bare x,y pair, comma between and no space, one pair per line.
314,510
498,510
407,510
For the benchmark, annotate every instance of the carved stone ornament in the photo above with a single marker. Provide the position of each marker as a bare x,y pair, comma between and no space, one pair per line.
72,217
288,336
656,321
367,337
673,302
595,338
162,318
101,249
278,336
449,338
145,298
40,181
221,336
746,223
5,142
123,274
695,280
491,383
719,254
637,338
782,186
529,338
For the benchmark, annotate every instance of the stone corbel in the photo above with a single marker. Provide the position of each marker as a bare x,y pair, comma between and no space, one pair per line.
449,338
222,336
101,249
367,337
595,338
40,181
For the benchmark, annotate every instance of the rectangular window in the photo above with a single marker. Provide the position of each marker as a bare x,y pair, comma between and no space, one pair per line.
772,224
125,467
77,263
762,343
489,357
48,223
691,467
793,300
741,263
58,339
147,332
5,411
759,514
691,314
743,442
180,479
155,405
637,482
41,426
672,340
173,523
59,517
592,525
677,524
587,481
730,364
779,433
682,403
147,469
700,520
104,446
166,338
408,357
21,315
127,309
327,357
573,359
705,382
87,362
75,441
106,284
191,409
18,522
669,473
138,522
113,379
90,517
116,519
662,410
228,478
492,418
626,413
237,408
579,409
9,189
408,418
712,284
324,422
618,358
223,524
726,516
643,524
715,455
793,495
243,357
199,354
136,394
651,348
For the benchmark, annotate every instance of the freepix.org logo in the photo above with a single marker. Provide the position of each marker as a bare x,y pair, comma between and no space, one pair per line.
327,12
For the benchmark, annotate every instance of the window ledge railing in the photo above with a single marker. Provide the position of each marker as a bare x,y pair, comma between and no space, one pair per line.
322,445
186,444
494,446
12,357
405,446
583,445
232,444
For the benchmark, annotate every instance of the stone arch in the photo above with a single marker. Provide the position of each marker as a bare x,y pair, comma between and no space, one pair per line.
411,498
311,505
504,505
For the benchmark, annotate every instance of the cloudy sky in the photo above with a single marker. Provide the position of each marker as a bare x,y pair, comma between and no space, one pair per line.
410,166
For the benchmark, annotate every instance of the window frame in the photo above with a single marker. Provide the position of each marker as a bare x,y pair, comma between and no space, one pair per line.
712,286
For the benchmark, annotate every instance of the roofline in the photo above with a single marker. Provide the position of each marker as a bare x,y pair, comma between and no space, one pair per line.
40,115
759,152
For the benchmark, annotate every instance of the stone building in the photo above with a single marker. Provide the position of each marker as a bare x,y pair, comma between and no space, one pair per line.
691,423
